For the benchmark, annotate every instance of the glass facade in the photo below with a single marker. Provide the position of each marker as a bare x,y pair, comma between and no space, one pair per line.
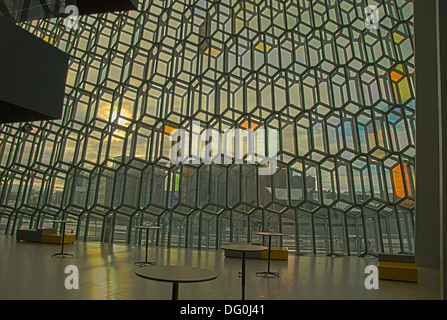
337,95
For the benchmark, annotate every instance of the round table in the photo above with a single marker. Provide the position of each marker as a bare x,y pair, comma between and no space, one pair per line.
176,275
270,235
145,262
243,248
62,253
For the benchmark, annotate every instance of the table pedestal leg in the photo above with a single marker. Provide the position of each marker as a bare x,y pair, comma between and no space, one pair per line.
269,273
145,262
243,275
62,253
175,290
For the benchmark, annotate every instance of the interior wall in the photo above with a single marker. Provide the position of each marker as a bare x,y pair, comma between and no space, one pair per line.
430,49
442,10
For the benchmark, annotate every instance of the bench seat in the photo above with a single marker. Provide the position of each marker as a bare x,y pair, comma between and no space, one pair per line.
279,253
33,235
47,235
399,267
57,238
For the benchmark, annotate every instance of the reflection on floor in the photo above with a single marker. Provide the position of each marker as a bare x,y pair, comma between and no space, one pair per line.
107,271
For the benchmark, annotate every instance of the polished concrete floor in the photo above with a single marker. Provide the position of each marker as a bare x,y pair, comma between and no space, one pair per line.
107,272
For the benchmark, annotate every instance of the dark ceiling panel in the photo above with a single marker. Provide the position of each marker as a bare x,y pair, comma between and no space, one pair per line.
27,10
87,7
33,76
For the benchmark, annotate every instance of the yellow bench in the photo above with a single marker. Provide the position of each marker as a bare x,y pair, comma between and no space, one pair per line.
280,253
397,267
57,238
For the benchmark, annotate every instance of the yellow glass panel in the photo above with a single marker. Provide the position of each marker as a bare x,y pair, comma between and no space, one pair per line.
404,90
213,52
398,37
262,47
49,39
400,67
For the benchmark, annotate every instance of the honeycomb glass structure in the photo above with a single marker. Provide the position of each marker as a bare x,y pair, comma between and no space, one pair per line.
339,97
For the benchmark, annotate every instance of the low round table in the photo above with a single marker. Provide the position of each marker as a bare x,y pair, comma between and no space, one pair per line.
176,275
270,235
243,248
146,262
62,253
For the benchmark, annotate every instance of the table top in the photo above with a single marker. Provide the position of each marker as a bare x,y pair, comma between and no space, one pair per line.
148,227
176,274
243,247
270,233
63,221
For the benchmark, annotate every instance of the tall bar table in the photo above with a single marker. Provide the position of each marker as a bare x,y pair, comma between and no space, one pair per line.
146,262
270,235
176,275
62,253
243,248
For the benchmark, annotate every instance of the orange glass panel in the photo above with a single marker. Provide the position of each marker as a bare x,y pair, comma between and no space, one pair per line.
398,182
253,125
169,129
407,180
395,76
